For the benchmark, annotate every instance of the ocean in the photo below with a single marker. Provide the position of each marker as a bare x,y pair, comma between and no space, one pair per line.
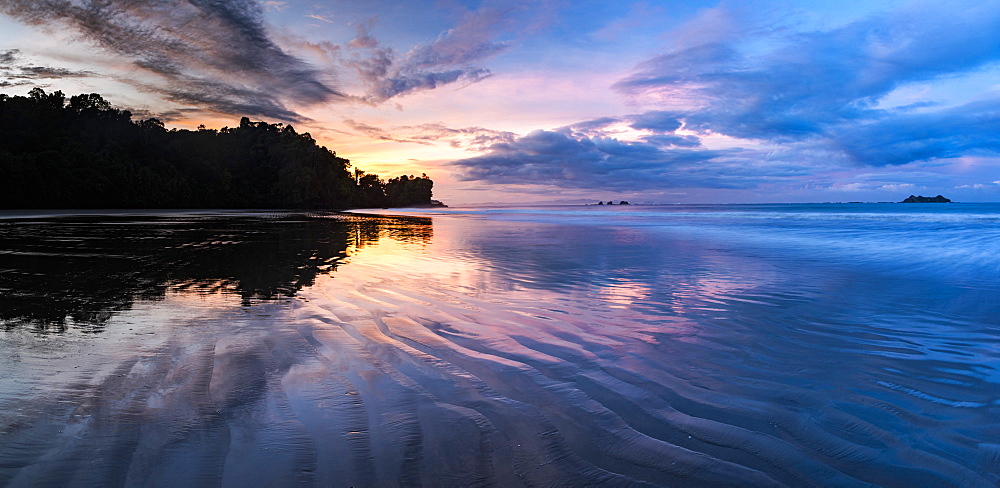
643,345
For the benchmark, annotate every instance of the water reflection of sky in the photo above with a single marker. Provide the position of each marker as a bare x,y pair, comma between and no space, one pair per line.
617,341
731,293
64,272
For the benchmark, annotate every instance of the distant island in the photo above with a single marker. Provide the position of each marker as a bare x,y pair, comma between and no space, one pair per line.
83,153
923,199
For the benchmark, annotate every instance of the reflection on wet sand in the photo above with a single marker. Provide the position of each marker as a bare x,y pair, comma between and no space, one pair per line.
80,271
486,353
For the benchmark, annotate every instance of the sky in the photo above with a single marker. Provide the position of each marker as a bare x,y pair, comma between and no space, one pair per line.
560,101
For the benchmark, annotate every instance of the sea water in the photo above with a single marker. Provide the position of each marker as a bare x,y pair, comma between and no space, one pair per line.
682,345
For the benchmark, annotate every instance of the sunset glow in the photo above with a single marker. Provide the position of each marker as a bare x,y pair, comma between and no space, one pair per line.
555,102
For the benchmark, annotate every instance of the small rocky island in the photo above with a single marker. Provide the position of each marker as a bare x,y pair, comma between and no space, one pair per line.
923,199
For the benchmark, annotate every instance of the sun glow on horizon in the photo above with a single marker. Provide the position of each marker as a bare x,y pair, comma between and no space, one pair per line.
555,100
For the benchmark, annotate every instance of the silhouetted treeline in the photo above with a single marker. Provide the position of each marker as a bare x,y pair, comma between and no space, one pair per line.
83,153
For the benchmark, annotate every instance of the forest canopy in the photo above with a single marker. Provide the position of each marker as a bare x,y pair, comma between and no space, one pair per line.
82,152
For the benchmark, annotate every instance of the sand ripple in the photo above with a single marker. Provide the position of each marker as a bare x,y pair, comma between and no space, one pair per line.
460,369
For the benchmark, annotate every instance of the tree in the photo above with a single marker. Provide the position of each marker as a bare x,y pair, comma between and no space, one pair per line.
89,101
88,154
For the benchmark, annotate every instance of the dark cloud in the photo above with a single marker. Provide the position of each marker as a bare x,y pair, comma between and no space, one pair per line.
555,158
586,155
826,87
34,72
401,83
969,129
656,121
14,67
673,140
589,128
806,106
215,53
450,58
218,54
9,56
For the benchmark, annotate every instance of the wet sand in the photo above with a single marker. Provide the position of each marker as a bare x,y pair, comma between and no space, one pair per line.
508,354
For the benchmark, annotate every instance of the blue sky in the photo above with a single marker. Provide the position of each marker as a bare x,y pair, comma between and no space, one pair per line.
558,101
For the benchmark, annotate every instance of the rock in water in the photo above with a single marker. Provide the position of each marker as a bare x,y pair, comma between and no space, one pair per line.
923,199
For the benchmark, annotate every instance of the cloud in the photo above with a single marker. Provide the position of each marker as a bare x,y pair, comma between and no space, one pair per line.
319,18
968,129
898,187
657,121
9,56
379,133
13,67
824,87
588,155
372,131
591,127
401,83
673,140
216,53
470,138
275,5
219,55
48,72
794,110
555,158
451,57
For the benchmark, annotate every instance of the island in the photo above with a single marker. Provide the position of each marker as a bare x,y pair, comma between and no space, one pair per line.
923,199
81,152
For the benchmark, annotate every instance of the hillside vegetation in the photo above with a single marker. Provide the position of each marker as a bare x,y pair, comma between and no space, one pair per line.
81,152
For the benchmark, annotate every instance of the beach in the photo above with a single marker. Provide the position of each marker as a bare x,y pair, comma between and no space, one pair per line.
716,345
